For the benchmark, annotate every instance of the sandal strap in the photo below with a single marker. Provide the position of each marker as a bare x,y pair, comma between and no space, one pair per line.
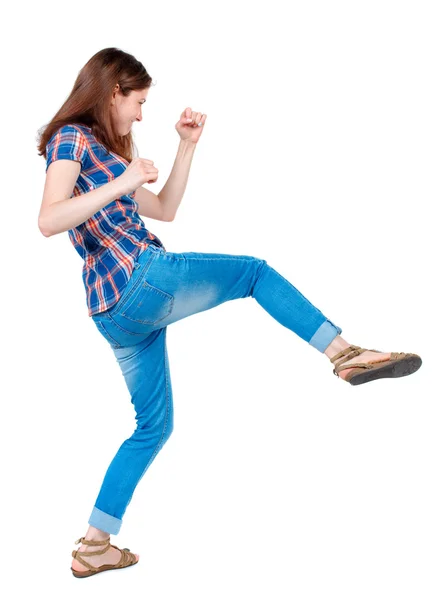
83,540
105,543
350,349
83,562
93,552
365,365
77,554
126,557
348,354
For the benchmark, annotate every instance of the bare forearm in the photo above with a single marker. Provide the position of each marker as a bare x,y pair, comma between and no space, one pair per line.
174,188
67,214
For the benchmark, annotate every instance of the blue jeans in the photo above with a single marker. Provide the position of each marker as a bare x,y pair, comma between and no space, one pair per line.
166,287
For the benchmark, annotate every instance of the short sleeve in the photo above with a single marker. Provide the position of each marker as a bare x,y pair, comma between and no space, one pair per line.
67,142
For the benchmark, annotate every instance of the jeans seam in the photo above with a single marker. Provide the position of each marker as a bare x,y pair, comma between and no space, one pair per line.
118,326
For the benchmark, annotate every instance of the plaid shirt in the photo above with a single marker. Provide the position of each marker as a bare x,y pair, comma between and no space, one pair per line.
110,241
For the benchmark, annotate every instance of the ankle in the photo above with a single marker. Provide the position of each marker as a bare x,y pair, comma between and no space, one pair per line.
96,535
337,345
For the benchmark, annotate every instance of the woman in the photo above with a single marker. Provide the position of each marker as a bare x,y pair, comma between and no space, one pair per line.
135,288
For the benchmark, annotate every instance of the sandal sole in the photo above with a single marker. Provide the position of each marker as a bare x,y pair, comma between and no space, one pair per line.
81,574
399,368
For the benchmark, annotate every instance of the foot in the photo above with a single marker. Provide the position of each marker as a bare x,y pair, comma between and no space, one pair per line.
366,357
110,557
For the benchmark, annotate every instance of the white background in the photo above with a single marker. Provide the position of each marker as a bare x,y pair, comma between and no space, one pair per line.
322,154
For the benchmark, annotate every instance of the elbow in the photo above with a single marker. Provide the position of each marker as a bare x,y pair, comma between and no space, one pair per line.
168,218
43,228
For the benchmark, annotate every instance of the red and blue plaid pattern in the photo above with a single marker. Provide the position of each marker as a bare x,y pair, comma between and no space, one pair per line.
110,241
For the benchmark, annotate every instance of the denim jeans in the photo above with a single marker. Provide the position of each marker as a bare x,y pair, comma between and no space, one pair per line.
164,288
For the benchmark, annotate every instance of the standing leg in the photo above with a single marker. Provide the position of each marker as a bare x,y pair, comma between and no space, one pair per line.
147,376
145,368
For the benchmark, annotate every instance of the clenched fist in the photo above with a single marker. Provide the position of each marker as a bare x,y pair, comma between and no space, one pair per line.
140,170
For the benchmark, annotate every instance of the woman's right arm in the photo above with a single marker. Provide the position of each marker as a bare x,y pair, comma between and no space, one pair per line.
59,212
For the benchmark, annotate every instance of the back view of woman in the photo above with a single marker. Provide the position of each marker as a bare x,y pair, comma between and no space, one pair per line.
135,288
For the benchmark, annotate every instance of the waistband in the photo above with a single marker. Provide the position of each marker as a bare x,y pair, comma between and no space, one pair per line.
155,248
143,258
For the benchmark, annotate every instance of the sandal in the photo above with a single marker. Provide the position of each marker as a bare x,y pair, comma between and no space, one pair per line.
398,365
127,558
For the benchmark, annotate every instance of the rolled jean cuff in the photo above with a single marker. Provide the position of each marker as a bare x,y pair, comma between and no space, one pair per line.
105,522
324,336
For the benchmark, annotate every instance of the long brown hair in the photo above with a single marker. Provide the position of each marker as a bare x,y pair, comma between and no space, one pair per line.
90,98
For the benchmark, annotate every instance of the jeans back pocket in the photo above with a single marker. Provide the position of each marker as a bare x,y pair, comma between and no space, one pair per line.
148,305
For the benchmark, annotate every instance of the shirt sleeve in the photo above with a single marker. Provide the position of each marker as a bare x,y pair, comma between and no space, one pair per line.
69,143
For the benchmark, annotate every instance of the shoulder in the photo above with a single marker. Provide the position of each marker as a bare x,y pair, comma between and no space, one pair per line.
69,132
69,142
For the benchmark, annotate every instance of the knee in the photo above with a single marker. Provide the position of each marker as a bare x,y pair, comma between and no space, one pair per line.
167,431
151,436
152,445
163,439
261,264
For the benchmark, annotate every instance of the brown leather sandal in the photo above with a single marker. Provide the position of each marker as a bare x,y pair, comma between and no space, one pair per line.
398,365
127,558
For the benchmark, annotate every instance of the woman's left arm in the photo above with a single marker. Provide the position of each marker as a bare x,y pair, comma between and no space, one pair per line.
190,127
173,191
